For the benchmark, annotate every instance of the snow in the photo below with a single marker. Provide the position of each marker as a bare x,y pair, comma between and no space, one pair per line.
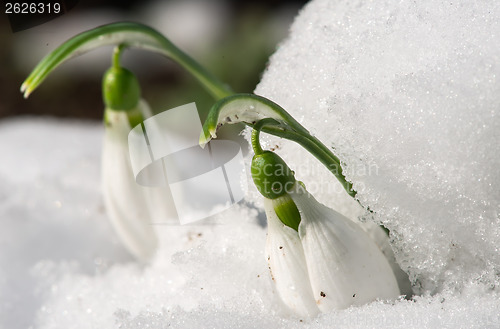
62,265
408,95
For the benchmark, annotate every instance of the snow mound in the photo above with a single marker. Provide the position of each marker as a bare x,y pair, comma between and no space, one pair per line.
408,96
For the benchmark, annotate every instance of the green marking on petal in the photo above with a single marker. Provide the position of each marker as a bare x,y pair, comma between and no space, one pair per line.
287,211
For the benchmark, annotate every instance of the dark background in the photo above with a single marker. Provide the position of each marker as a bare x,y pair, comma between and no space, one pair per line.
237,55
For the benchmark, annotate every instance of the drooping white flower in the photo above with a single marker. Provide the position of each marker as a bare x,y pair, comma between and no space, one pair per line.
132,208
344,266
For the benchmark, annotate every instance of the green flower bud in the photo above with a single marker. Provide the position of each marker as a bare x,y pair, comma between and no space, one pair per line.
120,89
271,175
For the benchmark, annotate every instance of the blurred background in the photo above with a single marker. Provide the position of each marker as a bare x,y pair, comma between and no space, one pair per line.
232,39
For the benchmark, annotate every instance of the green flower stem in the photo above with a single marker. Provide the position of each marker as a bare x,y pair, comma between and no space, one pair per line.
117,52
318,150
262,114
127,35
255,139
257,149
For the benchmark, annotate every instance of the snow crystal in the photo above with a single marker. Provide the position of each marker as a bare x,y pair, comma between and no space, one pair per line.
408,96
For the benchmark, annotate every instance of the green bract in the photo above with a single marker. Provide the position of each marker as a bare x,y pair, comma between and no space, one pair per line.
271,175
120,89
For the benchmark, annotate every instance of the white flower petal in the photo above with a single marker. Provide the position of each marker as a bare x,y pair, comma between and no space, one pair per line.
159,200
345,266
124,199
378,235
288,265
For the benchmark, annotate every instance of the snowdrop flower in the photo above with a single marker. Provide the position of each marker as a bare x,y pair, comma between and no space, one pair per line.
126,202
319,259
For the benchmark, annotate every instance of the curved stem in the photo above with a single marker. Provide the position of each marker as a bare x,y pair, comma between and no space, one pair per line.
318,150
127,35
257,148
115,61
262,114
256,133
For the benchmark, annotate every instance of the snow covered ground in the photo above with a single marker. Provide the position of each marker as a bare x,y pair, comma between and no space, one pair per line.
408,96
63,266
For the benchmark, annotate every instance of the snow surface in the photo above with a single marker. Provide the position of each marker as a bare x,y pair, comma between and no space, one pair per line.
63,267
409,97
